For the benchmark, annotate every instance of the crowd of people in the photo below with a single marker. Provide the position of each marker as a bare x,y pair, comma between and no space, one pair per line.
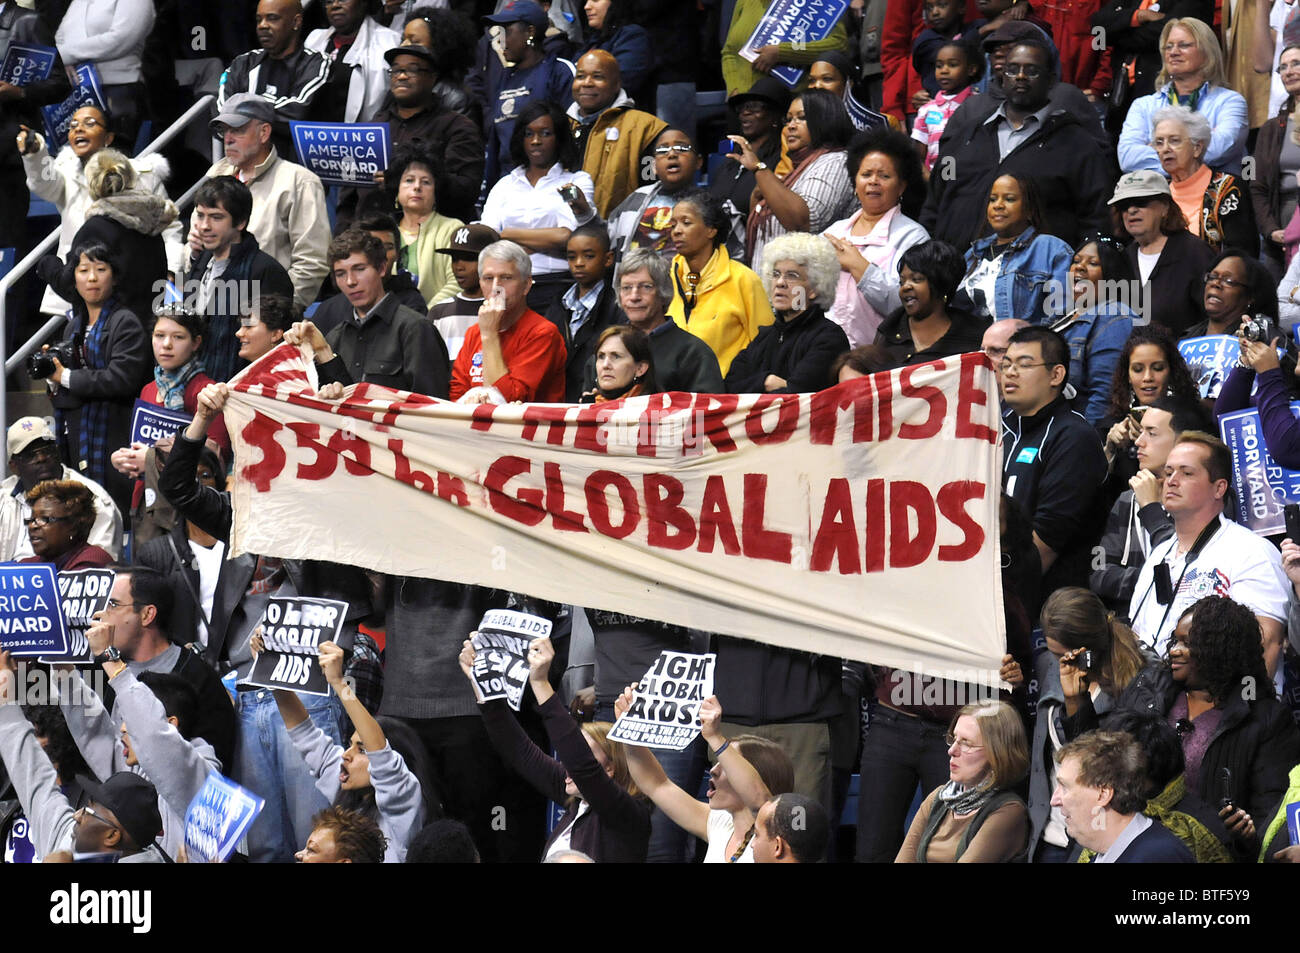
552,227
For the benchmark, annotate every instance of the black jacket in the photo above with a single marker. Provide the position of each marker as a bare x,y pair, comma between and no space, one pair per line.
1053,467
451,137
141,254
683,362
895,336
309,70
1124,40
1074,175
1122,553
800,351
582,346
395,347
759,684
336,309
1171,297
250,273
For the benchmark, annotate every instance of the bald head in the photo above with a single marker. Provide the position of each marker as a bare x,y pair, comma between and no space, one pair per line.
279,26
596,82
997,336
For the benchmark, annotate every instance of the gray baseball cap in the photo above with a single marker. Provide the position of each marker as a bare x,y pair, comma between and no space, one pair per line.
239,109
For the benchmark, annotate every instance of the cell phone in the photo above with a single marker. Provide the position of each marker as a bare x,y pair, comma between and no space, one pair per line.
1164,584
726,145
1136,413
569,193
1225,788
1292,513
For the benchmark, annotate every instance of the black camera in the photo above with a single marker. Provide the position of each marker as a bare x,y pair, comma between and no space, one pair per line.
41,364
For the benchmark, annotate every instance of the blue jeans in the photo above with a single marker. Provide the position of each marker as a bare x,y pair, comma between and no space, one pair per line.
267,763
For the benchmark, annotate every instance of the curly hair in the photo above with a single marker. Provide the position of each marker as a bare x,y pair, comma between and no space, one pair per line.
901,151
814,253
1224,643
357,838
1111,759
75,497
1180,378
48,723
453,39
408,155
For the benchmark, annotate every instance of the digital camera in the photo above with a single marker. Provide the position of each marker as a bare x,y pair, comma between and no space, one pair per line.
41,364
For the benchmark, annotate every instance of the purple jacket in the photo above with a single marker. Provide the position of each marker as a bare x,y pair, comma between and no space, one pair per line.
1281,428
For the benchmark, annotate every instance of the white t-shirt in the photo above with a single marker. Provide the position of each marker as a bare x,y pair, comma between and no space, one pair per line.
565,840
208,562
1234,563
1147,264
721,827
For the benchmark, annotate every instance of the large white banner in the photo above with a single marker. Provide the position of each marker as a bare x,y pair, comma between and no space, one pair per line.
858,522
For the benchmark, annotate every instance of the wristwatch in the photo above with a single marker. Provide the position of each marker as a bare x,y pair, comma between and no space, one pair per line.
760,167
110,654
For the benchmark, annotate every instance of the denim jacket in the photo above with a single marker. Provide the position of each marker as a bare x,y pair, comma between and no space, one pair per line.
1032,267
1096,338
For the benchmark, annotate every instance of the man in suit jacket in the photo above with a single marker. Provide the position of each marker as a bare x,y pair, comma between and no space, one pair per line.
1101,786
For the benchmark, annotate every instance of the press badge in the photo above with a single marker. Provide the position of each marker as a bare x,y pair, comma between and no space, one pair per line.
1027,455
611,134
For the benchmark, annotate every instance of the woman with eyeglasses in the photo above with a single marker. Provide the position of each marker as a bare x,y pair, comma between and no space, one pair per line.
718,300
1096,322
1238,740
1193,76
817,191
1213,202
794,354
63,513
976,817
61,180
1012,272
1167,259
1093,665
1236,287
543,198
644,219
1274,191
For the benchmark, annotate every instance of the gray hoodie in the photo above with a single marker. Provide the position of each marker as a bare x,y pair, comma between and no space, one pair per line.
176,767
397,791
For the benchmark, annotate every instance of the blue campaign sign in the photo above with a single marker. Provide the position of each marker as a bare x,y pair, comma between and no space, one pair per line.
1210,359
343,153
1262,486
31,619
150,423
24,64
217,818
87,92
794,21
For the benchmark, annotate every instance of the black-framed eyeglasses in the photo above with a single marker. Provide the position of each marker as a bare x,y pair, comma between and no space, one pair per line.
1213,278
678,147
408,70
40,522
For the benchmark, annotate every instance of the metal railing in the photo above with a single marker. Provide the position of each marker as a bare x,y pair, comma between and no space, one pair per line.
12,362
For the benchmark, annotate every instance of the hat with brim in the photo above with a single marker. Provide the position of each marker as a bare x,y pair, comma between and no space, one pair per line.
1012,32
419,52
469,240
240,109
520,11
771,91
25,431
1143,184
133,801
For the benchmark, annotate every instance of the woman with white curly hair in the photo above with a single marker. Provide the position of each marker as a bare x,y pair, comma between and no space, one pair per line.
799,273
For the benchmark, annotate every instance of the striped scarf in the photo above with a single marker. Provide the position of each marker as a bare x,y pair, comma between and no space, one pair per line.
93,448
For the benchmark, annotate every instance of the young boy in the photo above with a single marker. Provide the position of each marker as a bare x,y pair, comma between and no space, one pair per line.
453,318
589,306
957,66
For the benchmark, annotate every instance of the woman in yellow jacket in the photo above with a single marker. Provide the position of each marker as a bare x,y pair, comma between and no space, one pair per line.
718,300
423,230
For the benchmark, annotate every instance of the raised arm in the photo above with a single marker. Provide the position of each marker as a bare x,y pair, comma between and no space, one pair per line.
682,809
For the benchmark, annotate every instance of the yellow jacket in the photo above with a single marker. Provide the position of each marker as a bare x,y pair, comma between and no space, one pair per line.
730,305
618,139
435,279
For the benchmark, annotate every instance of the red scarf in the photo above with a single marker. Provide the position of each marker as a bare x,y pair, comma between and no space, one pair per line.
762,213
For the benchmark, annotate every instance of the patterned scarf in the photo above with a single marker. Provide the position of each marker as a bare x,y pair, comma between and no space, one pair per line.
1205,847
171,384
960,799
93,447
761,216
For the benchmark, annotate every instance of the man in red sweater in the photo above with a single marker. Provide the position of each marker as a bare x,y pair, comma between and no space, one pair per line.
512,348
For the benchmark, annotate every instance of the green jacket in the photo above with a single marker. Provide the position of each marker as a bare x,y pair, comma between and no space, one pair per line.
737,72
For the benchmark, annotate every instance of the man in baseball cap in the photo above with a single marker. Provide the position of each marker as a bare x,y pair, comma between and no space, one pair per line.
122,816
521,11
34,458
453,318
239,110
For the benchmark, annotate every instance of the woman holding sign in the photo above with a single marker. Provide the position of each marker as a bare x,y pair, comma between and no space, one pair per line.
386,782
749,772
605,816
